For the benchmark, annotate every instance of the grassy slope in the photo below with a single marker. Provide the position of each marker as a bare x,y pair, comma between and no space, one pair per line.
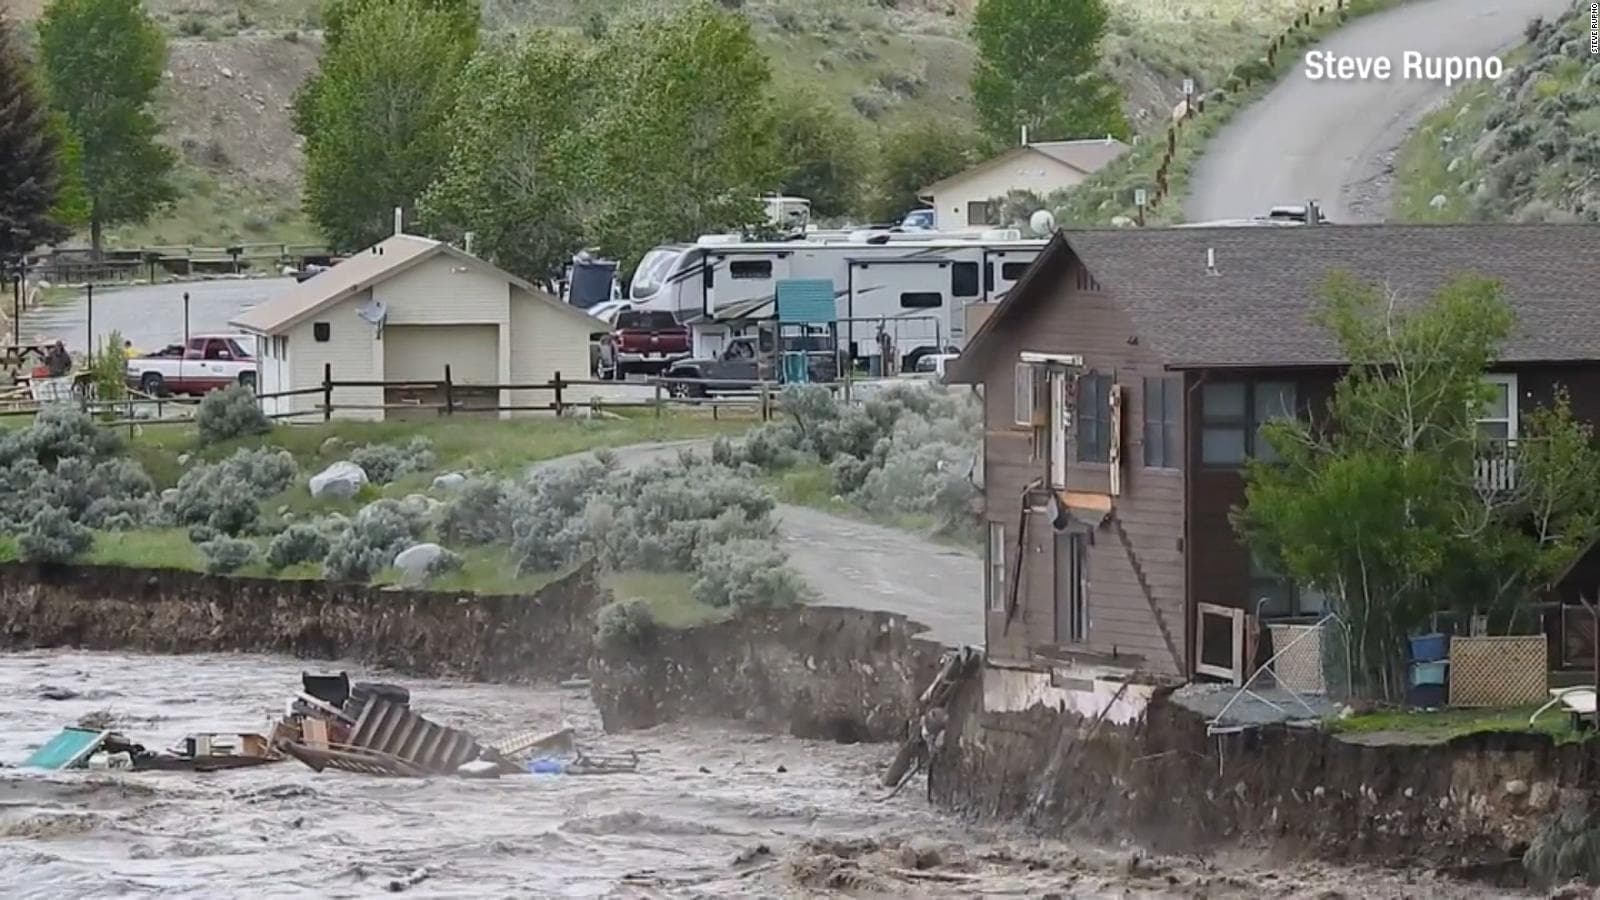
889,62
1494,158
1438,726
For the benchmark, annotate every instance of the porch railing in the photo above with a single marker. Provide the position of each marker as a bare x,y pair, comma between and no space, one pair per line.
1495,467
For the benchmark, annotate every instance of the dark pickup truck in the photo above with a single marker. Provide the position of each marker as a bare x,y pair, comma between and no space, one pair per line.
741,366
641,341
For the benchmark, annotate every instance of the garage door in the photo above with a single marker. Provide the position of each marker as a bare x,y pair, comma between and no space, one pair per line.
422,351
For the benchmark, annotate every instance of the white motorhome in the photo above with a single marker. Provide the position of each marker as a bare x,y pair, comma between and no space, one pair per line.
913,287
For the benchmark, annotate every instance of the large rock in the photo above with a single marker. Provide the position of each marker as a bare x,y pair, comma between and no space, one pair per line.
449,481
342,479
415,561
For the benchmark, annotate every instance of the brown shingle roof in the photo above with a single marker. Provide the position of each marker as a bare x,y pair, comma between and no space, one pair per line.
1257,311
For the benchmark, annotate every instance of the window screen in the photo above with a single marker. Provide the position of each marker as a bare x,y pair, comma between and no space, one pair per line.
921,300
1163,413
964,279
750,268
321,331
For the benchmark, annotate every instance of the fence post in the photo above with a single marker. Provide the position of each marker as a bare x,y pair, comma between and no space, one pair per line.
766,403
449,392
658,399
327,392
557,384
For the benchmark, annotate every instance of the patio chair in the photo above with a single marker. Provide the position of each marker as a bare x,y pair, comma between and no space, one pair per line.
1578,701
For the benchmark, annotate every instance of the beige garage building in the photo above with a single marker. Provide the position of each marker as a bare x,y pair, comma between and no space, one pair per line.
966,199
403,311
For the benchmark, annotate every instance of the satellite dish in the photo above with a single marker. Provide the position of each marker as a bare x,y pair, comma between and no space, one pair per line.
374,312
1042,222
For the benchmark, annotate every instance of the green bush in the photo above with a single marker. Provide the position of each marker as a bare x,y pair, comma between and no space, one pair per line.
384,463
746,574
224,554
626,623
299,543
52,537
230,413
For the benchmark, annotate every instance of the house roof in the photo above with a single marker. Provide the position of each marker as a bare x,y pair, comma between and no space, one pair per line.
1258,310
1086,156
376,264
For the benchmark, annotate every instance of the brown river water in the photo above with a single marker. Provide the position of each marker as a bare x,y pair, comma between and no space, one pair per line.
715,811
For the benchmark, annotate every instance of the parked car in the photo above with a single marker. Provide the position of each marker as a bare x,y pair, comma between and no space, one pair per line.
932,365
606,313
916,220
208,362
741,366
641,341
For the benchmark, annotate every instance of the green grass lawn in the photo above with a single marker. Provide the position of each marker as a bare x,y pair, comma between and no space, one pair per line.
1437,726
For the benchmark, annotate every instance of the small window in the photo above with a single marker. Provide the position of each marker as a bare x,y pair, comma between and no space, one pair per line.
1026,382
995,585
964,279
1163,411
1094,418
921,300
320,332
978,212
1497,423
741,269
1013,271
1273,400
1231,416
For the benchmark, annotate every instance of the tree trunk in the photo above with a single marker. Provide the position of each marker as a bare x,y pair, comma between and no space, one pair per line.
96,237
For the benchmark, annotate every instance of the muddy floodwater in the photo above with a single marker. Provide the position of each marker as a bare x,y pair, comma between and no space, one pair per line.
715,811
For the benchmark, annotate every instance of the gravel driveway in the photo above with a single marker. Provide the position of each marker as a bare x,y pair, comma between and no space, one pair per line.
1334,141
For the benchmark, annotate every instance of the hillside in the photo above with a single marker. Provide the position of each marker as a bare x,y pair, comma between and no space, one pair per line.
1525,149
235,65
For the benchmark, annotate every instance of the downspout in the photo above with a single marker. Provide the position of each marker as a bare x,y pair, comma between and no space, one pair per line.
1190,617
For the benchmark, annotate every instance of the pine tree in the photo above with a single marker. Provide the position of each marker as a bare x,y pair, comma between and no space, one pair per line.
29,155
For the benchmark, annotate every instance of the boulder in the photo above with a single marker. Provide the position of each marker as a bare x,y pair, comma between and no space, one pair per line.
330,446
449,481
1438,201
342,479
415,561
420,505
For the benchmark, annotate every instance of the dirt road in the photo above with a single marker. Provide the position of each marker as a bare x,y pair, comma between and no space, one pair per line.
861,565
1333,141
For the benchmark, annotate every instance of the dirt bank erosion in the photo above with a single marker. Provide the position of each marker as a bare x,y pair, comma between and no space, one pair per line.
1472,803
815,672
545,635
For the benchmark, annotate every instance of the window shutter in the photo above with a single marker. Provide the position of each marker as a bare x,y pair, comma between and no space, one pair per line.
1023,385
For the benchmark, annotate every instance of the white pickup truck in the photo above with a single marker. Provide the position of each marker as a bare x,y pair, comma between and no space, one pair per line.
208,362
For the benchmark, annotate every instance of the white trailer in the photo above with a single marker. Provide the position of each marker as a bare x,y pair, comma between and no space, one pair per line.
913,286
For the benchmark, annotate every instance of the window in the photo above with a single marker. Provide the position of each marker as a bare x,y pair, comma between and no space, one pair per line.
218,350
978,212
647,320
921,300
964,279
1013,271
1279,597
1231,416
1163,415
1498,421
1026,381
320,332
741,269
994,586
1094,418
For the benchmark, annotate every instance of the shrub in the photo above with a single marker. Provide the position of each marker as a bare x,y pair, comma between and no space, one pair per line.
626,623
446,562
52,536
478,513
215,496
384,463
225,554
200,534
121,513
59,433
546,527
746,574
379,531
298,543
268,470
230,413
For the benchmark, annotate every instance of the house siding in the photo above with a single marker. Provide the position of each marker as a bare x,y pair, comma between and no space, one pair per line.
351,351
545,342
1034,172
445,291
1135,587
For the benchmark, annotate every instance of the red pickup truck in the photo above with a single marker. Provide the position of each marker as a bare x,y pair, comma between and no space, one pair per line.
641,341
209,362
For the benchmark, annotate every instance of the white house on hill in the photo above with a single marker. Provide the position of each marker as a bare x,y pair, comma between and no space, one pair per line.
403,310
962,200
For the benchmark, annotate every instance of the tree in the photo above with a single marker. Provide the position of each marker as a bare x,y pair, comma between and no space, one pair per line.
917,155
514,168
1383,505
684,142
825,155
1038,66
374,117
30,157
103,61
464,17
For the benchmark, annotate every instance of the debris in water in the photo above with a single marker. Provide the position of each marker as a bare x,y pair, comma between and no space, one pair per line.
51,692
576,683
415,878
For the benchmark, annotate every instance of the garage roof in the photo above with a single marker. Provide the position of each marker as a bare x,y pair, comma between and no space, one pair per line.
372,266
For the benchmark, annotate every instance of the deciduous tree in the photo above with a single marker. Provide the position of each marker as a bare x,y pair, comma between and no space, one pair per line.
825,154
514,175
1038,65
103,61
374,116
30,156
916,155
684,142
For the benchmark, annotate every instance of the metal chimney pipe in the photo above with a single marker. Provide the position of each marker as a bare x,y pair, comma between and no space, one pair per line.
468,242
1313,213
399,221
1024,135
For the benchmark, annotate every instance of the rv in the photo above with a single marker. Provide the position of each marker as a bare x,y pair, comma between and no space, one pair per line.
902,292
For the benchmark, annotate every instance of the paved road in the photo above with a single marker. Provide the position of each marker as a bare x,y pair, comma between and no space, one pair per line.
1333,141
859,565
149,315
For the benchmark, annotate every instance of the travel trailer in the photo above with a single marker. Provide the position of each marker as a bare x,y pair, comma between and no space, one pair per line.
907,292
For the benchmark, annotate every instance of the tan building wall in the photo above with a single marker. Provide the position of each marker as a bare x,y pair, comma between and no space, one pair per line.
1028,172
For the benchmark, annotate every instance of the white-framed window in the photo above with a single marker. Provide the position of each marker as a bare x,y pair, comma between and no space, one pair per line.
994,582
1498,420
1024,383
